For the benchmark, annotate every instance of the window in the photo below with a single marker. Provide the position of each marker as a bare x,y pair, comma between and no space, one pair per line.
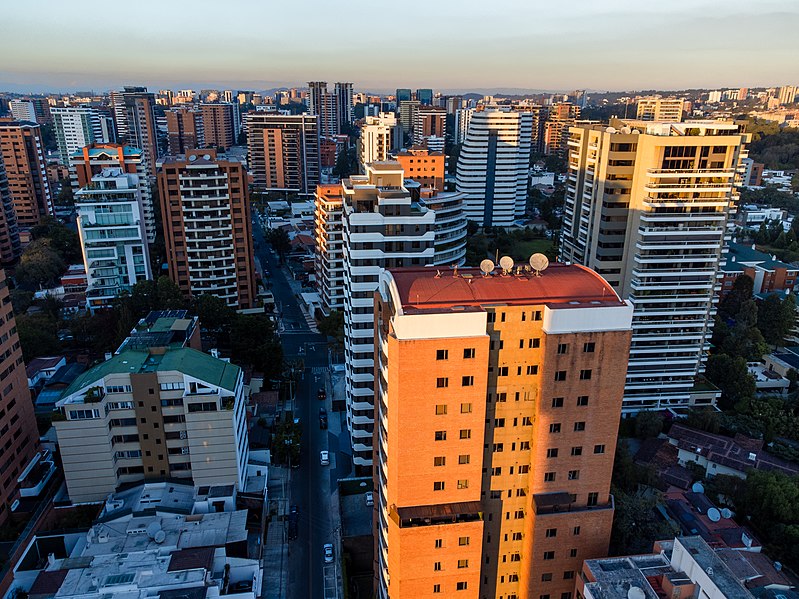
466,433
502,371
546,577
463,459
441,435
593,499
442,382
517,536
499,447
438,485
551,533
599,449
585,375
437,566
549,555
524,469
441,409
463,483
502,397
554,427
466,408
532,369
582,400
588,348
467,381
491,317
499,422
568,575
463,541
576,530
524,445
557,402
534,343
496,494
527,421
563,348
167,386
537,315
436,588
560,375
577,451
463,563
461,586
552,452
516,557
468,353
442,354
566,595
579,427
549,477
496,471
439,543
574,475
573,553
439,461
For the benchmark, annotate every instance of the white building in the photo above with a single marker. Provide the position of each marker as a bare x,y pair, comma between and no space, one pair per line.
153,412
22,110
76,127
655,108
329,235
463,116
380,136
113,236
493,166
648,206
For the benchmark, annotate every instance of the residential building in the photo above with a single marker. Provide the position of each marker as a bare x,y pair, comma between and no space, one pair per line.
22,152
113,236
450,224
22,110
407,112
498,402
767,273
17,420
429,121
425,96
219,125
10,246
423,166
152,413
329,254
656,108
283,152
380,136
403,95
648,206
77,127
539,115
788,94
134,112
493,167
463,117
556,128
205,203
344,105
91,160
325,105
41,108
184,129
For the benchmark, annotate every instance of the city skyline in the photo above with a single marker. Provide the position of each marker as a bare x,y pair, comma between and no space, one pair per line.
538,48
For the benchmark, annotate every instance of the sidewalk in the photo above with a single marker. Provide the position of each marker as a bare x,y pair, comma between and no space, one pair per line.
297,290
275,552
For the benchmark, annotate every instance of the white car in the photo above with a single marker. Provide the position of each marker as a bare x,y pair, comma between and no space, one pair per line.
370,498
324,458
328,553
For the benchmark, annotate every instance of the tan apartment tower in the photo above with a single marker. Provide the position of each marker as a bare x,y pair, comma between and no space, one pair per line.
184,128
22,152
498,401
219,125
655,108
205,204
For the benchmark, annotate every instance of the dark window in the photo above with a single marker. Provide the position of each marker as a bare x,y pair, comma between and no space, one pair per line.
467,381
560,375
579,426
552,532
563,348
442,382
593,499
441,435
599,449
468,353
557,402
554,428
585,375
582,400
552,452
442,354
577,451
549,477
549,555
589,347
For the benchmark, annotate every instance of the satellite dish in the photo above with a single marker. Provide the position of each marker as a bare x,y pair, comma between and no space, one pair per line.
697,488
159,537
713,515
726,513
192,158
153,528
636,593
506,262
539,263
487,266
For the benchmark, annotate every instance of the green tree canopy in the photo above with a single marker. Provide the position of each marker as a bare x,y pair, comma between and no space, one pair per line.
279,239
38,335
776,318
730,374
39,266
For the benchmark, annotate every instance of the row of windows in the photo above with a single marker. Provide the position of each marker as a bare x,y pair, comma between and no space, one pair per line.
585,375
443,382
555,427
459,586
440,485
443,354
588,348
464,433
582,400
534,315
552,452
441,409
442,460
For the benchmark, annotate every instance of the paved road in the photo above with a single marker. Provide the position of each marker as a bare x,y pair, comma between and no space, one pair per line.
311,482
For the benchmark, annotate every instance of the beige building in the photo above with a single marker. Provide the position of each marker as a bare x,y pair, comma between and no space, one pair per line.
380,135
655,108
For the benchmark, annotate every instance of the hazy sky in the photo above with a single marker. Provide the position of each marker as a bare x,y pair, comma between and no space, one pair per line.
445,44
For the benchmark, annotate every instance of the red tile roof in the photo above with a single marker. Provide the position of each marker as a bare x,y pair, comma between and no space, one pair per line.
560,284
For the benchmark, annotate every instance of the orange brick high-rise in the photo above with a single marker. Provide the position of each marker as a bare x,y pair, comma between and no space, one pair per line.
498,405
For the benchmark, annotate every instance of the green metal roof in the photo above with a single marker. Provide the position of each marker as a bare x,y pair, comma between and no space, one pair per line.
189,361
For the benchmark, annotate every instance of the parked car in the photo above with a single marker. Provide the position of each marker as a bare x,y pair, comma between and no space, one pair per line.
321,395
370,498
328,548
322,418
324,458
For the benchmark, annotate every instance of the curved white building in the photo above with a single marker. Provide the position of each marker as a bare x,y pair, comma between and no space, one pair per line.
493,166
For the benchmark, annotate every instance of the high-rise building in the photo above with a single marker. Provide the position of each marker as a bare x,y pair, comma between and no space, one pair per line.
329,236
423,166
10,246
325,105
22,152
134,112
41,108
22,110
556,128
77,127
407,112
450,223
539,115
283,151
91,160
380,136
184,129
454,104
403,95
788,94
425,97
463,117
655,108
219,125
344,105
648,207
113,236
429,121
493,167
497,409
205,203
743,94
17,420
150,413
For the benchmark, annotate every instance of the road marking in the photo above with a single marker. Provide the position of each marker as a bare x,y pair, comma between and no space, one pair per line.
319,370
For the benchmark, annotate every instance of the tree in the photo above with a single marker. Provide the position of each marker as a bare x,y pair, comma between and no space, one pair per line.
741,292
731,376
65,197
346,163
332,325
213,312
776,317
253,341
279,239
62,240
648,424
636,526
39,265
37,335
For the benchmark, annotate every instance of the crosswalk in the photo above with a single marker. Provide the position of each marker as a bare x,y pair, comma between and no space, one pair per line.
319,370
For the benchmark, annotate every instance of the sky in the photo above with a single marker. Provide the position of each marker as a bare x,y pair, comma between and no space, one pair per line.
449,45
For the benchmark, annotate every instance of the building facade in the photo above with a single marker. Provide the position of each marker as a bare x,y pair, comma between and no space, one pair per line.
344,105
22,151
219,125
113,236
152,413
205,203
22,110
423,166
492,463
648,206
10,246
560,117
283,152
325,105
493,167
75,128
184,129
429,121
329,236
655,108
134,113
380,135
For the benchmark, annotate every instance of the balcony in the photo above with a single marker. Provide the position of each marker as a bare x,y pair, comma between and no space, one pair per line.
36,475
558,503
435,515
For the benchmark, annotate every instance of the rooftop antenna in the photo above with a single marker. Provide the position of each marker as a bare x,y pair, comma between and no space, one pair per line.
506,262
487,267
455,272
539,263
